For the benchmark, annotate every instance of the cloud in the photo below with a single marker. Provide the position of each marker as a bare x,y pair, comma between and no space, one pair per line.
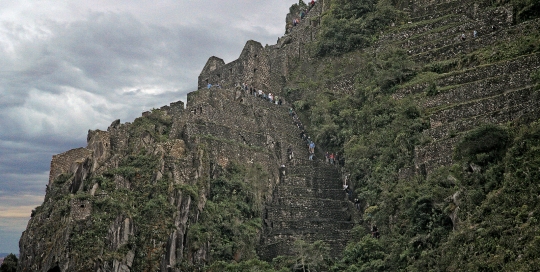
18,206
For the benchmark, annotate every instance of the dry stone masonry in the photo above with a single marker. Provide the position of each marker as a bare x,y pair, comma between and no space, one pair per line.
226,124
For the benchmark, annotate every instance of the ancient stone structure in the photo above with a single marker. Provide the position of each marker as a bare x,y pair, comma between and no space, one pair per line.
266,68
223,125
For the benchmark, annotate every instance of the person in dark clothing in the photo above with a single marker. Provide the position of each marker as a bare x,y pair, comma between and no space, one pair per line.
290,154
357,203
303,135
375,232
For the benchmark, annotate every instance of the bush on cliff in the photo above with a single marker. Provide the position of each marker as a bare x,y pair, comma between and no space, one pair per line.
9,264
351,24
230,222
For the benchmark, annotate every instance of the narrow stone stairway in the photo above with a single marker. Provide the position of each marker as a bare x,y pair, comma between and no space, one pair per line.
308,204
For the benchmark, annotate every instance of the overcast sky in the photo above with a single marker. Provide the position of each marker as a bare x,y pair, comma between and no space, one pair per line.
70,66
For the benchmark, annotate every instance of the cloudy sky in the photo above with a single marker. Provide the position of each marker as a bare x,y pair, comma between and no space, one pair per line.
70,66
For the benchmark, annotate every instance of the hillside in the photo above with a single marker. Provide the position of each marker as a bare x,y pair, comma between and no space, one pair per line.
434,106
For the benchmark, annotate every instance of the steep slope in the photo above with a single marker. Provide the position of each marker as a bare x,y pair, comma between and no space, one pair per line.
434,129
126,200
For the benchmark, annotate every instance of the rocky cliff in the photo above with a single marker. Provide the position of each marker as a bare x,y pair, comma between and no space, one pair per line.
137,197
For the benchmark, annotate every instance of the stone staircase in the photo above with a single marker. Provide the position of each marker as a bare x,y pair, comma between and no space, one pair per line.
308,204
495,93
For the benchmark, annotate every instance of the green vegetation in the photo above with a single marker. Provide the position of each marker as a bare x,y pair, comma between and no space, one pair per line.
9,264
523,9
478,214
481,211
230,221
350,25
157,124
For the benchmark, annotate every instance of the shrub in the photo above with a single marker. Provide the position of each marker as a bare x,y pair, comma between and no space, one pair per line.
351,25
483,145
9,264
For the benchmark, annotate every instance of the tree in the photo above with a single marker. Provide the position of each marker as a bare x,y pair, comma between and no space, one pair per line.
9,264
311,257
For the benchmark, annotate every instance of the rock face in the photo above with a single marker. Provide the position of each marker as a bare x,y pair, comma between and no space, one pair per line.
216,128
126,201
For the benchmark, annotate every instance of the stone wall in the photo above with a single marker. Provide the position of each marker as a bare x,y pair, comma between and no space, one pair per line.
251,67
266,68
63,163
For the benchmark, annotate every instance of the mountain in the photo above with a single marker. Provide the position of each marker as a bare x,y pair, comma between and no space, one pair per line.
431,106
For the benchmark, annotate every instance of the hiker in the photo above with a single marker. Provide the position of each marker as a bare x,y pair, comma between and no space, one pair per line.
294,22
463,37
348,191
475,34
332,158
290,112
302,14
357,203
209,86
311,155
375,232
270,97
312,147
290,153
327,157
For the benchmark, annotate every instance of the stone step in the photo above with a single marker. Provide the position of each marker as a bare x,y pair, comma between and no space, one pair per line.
285,247
451,34
406,32
310,235
509,99
523,107
485,88
476,74
310,170
297,213
423,11
278,227
529,111
312,183
309,203
303,192
461,48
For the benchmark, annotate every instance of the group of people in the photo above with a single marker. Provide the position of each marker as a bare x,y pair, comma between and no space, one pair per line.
261,94
303,134
464,37
301,15
333,159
